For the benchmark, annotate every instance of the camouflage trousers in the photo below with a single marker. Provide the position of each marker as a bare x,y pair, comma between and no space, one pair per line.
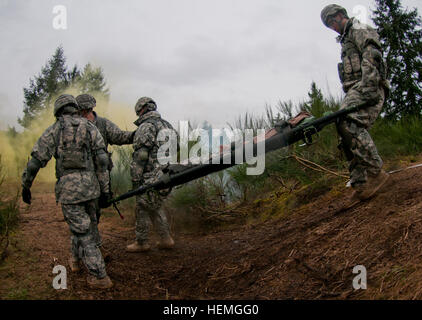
98,239
82,222
148,211
356,141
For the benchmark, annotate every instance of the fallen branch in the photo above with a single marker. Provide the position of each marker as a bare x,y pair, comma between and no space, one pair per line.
283,184
308,164
232,211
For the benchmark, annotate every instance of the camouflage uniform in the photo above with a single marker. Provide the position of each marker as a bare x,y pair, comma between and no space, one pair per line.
145,169
111,134
78,184
362,73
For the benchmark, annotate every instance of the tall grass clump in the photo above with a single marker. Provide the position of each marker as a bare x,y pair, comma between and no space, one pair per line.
9,212
120,174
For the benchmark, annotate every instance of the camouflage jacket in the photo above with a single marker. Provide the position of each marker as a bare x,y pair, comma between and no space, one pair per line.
76,185
111,133
362,63
145,164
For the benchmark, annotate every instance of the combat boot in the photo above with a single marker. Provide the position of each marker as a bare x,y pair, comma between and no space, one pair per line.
352,200
166,243
373,185
74,264
137,247
96,283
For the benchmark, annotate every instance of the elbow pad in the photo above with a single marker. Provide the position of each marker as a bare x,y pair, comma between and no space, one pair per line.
141,156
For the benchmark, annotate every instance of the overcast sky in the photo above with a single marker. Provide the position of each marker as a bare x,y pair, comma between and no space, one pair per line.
199,59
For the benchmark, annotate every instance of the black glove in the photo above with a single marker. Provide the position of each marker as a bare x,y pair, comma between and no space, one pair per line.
104,199
26,195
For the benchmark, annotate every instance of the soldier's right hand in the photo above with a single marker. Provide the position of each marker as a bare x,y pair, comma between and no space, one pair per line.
26,195
104,199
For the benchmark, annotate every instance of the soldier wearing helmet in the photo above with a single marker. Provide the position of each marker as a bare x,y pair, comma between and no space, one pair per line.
65,104
111,134
82,177
334,15
145,168
362,73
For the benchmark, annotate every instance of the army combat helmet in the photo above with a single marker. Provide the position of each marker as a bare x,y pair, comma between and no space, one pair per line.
145,102
65,101
86,101
331,11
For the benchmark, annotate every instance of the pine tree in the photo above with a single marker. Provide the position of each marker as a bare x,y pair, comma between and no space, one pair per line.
316,104
401,36
53,78
92,81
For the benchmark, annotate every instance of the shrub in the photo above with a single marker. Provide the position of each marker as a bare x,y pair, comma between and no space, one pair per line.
9,211
120,174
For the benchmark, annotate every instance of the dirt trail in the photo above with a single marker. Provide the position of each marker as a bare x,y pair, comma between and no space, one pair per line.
307,255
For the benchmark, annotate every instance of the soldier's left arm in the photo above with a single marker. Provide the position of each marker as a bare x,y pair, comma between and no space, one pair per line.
367,41
41,153
117,136
101,159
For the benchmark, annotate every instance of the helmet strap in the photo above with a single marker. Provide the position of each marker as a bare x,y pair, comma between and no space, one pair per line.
143,111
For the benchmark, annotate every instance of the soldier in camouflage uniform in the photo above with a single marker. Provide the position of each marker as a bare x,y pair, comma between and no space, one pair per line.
145,169
363,76
82,177
111,134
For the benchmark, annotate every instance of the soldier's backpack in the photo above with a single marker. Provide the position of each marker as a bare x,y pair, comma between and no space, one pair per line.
73,146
